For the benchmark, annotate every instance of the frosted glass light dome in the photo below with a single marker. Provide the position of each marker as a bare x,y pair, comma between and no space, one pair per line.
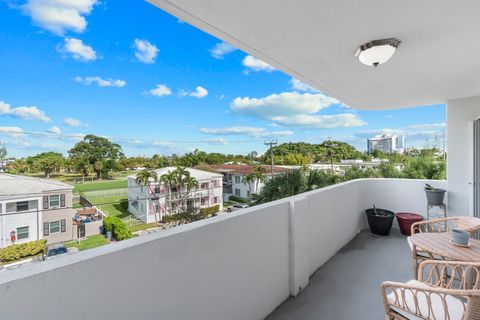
377,52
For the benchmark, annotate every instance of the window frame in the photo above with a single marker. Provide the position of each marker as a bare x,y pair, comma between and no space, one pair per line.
16,206
50,226
50,201
20,235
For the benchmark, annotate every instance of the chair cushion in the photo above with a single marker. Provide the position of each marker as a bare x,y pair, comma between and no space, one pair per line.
455,306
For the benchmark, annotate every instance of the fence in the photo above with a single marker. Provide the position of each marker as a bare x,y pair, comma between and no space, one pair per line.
106,193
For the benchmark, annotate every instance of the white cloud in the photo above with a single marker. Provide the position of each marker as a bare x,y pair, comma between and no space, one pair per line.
255,132
54,130
255,64
160,90
233,130
59,16
101,82
298,85
216,141
79,50
343,120
145,51
221,49
13,131
416,135
26,113
200,92
282,104
72,122
295,109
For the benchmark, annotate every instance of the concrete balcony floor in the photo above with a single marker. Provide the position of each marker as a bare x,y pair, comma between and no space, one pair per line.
348,286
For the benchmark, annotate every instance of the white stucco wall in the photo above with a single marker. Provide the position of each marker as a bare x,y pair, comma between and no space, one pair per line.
460,116
234,266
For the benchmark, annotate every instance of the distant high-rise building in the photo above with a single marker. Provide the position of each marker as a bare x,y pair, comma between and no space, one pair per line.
386,144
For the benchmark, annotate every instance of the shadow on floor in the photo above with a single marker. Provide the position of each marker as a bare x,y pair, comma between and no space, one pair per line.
348,285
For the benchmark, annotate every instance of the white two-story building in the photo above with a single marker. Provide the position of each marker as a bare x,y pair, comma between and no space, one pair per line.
33,209
151,203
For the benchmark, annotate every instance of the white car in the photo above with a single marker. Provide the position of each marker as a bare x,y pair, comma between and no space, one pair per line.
237,206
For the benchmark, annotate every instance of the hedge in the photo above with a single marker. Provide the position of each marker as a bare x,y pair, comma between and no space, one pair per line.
210,210
117,227
239,199
19,251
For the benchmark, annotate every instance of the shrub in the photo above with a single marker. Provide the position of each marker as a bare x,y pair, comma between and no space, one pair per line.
239,199
117,227
210,210
19,251
124,204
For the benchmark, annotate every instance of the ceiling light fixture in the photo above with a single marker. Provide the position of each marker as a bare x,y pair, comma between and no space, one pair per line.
377,52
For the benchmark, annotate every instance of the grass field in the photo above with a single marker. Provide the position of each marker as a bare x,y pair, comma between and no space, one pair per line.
72,177
111,206
143,226
88,243
101,185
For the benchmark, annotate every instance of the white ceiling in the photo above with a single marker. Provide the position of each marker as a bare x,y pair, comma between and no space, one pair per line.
315,41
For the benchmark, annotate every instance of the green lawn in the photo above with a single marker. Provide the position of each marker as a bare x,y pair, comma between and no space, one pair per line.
111,206
101,185
88,243
143,226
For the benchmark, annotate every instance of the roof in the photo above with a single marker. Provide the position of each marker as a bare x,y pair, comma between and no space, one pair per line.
242,168
15,186
195,173
315,42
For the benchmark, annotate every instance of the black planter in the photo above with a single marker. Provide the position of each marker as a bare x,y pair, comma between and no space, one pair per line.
380,221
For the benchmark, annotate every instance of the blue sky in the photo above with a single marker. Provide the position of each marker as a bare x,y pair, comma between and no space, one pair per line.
156,85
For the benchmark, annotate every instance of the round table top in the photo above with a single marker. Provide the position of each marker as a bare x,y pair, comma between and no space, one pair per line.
439,243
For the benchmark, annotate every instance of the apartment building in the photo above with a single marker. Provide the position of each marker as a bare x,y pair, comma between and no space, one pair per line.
233,178
33,209
151,203
386,144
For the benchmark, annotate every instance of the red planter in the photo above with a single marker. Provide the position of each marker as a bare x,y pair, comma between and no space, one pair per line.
405,221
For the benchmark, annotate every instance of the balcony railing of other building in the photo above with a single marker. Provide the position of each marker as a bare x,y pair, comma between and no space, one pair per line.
234,266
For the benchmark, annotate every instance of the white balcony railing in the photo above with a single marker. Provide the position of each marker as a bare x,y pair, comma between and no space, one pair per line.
234,266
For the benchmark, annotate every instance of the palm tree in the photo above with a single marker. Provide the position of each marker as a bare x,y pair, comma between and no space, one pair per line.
259,174
145,177
168,179
284,185
189,184
248,179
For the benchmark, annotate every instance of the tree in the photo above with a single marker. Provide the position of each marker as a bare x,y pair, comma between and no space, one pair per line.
259,176
249,179
168,179
144,177
99,152
46,162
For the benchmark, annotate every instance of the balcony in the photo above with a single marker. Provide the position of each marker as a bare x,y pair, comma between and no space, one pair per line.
245,264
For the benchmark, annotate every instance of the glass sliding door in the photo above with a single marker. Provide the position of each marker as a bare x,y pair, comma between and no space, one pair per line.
476,168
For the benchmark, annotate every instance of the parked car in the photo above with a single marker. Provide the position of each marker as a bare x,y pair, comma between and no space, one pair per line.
237,206
56,250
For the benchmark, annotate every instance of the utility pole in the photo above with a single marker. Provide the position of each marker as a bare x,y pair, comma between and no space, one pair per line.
271,144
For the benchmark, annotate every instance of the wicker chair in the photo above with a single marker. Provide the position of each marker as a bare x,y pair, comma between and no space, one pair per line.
469,224
436,295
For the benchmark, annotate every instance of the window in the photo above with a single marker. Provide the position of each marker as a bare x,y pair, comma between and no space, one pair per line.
204,185
237,179
202,201
215,199
248,193
23,206
22,233
54,201
54,226
237,192
157,189
63,225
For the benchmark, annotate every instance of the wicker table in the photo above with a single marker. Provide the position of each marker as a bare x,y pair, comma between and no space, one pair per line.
438,244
